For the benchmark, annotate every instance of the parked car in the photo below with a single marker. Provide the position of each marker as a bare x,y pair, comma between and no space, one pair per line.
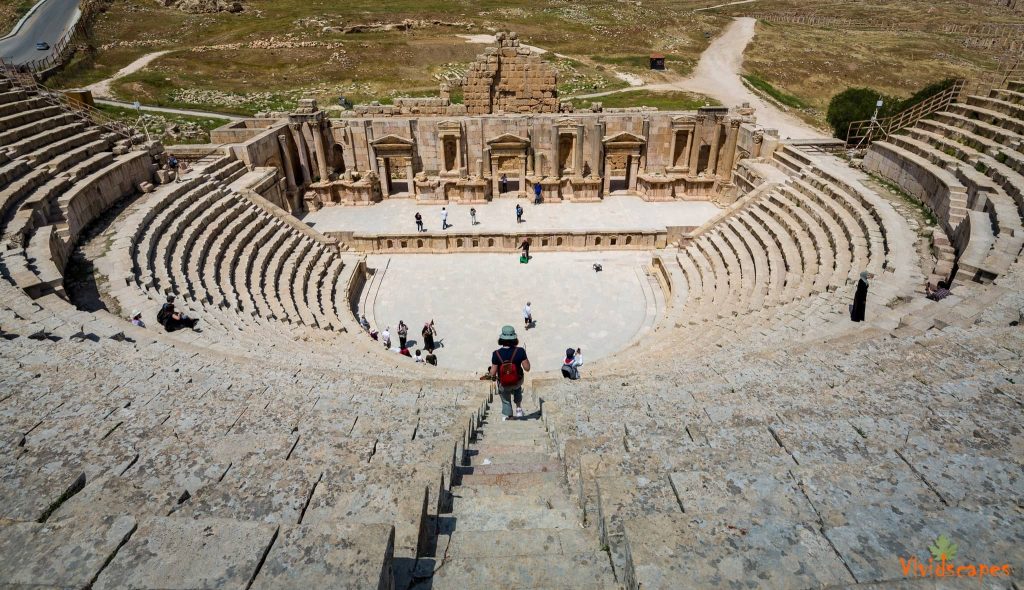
42,46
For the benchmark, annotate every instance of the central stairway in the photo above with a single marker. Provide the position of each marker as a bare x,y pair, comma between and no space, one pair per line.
513,523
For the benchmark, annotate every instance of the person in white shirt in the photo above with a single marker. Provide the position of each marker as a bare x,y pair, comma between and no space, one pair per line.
419,357
385,337
444,218
528,315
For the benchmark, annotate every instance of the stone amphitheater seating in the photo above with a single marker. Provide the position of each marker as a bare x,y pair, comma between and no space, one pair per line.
755,437
965,164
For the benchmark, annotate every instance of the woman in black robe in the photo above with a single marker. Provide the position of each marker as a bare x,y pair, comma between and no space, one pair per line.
860,299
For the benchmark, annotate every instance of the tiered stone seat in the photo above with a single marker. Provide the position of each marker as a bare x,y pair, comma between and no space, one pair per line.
974,149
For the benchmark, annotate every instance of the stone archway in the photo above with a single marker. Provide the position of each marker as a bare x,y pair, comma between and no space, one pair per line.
508,155
394,157
622,157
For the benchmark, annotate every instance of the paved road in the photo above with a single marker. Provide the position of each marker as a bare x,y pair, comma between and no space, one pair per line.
48,23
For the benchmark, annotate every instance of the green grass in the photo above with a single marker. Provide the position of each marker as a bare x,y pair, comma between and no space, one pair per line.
787,99
666,101
156,123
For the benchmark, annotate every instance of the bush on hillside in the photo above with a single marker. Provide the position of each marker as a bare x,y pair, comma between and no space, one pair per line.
856,104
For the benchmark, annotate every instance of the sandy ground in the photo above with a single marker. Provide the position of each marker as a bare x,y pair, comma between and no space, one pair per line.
101,89
470,296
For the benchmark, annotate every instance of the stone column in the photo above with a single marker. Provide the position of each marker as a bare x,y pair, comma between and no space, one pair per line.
606,174
725,166
289,165
713,157
321,153
300,146
634,172
385,178
554,152
698,133
686,150
522,168
409,179
577,149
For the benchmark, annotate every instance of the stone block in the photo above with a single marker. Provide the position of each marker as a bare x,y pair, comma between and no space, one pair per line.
338,555
185,553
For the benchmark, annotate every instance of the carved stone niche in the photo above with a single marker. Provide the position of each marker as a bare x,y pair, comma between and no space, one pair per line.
508,155
569,154
683,131
449,145
622,154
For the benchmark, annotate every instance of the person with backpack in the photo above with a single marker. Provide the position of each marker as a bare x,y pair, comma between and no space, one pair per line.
519,213
171,319
572,363
509,365
419,222
536,193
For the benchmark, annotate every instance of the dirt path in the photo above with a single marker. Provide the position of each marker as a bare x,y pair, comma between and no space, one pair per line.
718,75
101,89
724,5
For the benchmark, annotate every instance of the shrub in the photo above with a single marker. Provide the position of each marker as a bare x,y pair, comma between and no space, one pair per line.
855,104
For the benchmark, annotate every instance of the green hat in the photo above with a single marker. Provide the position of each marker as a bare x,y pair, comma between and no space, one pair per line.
507,333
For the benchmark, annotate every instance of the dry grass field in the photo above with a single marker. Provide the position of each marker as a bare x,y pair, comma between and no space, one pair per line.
277,51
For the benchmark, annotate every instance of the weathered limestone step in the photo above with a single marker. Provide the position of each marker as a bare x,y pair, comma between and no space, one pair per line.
512,481
512,504
507,468
518,543
513,455
512,514
547,490
590,571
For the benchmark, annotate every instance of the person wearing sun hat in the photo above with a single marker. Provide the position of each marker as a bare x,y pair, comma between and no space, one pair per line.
509,365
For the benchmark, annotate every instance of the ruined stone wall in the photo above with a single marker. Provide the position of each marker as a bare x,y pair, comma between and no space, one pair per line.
509,78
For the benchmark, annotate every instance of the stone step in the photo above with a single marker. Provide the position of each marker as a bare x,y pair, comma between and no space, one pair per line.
558,500
509,468
511,446
523,517
591,571
521,455
519,543
471,491
511,482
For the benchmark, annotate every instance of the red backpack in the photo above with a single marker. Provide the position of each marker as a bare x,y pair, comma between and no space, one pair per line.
508,373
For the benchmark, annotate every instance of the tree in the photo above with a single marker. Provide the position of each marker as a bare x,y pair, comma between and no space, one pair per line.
855,104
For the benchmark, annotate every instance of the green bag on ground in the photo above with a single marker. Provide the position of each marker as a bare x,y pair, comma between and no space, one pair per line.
523,260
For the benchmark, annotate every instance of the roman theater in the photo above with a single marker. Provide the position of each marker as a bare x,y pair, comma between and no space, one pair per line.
732,427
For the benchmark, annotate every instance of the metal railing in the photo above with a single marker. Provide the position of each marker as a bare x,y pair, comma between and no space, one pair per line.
87,113
861,133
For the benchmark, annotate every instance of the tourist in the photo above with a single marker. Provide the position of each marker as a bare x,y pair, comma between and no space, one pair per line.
172,165
504,184
136,319
572,363
419,356
860,299
525,247
528,315
172,319
431,359
937,293
472,215
385,337
444,218
404,351
509,365
365,324
375,335
428,332
419,222
403,333
519,213
536,193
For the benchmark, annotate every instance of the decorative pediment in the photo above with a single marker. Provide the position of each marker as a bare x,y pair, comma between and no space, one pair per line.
508,141
392,143
449,127
683,122
567,122
624,139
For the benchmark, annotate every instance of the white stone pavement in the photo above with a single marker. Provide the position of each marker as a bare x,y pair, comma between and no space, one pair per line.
613,213
470,296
